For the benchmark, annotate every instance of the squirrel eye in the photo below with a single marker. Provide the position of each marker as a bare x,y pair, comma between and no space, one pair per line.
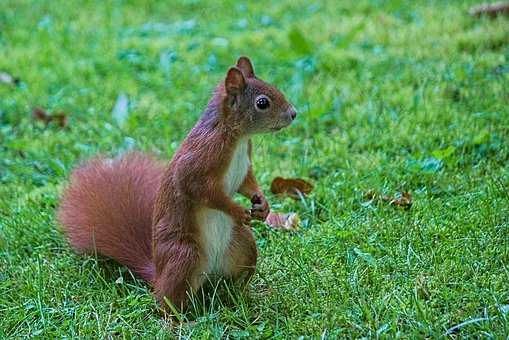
262,102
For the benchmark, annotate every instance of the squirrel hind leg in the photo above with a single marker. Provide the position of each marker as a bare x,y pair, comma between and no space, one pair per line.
242,255
179,273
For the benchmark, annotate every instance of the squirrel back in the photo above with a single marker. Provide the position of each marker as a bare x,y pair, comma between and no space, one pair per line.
107,209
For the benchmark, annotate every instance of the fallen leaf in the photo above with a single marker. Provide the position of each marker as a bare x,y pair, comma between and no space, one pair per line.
370,195
491,10
402,199
59,118
121,109
289,221
293,187
41,115
8,79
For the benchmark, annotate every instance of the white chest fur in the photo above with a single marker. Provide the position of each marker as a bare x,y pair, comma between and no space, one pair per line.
216,227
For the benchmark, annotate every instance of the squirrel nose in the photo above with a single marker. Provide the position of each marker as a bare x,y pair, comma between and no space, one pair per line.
293,113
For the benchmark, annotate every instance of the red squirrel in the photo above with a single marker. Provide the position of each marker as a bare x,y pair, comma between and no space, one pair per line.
174,225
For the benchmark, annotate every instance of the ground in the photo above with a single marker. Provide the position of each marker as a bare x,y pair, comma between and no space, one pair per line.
393,97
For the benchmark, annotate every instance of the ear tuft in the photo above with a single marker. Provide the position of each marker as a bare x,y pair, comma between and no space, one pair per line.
234,82
245,65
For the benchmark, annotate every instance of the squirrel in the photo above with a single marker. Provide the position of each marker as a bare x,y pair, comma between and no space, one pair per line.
174,225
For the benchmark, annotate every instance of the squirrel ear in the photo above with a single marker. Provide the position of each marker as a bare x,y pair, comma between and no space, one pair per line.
245,65
234,82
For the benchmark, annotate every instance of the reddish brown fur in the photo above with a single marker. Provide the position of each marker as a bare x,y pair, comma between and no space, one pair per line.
205,154
107,207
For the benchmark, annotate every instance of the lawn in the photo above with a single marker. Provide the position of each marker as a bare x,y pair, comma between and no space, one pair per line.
393,97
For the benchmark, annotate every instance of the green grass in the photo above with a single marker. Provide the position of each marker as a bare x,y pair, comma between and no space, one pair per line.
393,96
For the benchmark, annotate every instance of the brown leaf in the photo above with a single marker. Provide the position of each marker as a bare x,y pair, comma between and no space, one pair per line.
293,187
403,199
8,79
370,195
59,118
290,221
41,115
491,10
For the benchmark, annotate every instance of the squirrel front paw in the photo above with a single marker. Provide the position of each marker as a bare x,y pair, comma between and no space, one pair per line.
241,217
260,208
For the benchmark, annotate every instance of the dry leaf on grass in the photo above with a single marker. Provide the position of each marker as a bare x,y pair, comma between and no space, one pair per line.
491,10
290,221
370,195
293,187
402,199
58,118
41,115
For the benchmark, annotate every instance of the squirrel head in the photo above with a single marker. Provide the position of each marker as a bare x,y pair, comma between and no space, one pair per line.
251,104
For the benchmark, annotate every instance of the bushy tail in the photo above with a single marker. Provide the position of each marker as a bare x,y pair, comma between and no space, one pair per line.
107,208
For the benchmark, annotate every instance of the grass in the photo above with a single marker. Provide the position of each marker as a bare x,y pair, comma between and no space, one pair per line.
392,96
